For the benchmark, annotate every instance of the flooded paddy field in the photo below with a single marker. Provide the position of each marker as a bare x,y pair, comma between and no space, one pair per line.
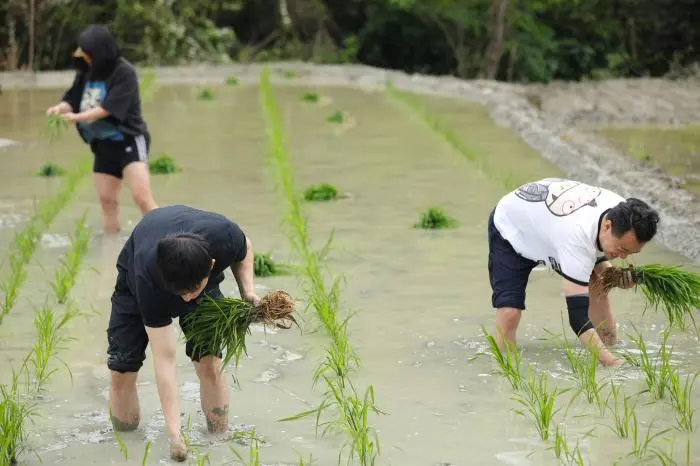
420,297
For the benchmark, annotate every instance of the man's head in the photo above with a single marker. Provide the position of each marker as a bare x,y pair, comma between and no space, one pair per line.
184,262
626,228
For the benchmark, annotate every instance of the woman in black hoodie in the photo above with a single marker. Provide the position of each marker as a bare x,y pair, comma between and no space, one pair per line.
105,105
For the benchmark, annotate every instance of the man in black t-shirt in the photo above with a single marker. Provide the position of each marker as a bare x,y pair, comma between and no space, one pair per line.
174,256
105,105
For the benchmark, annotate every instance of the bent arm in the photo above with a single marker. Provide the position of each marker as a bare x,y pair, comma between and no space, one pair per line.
243,271
163,347
92,115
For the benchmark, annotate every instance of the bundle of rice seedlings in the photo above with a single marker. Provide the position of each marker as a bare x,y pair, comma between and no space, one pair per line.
55,126
320,192
206,94
675,290
265,266
51,169
163,165
221,324
435,219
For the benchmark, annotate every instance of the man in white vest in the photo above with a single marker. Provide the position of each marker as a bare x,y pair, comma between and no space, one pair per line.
574,229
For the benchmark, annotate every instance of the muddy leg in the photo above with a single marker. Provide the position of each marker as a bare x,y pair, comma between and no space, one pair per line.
507,321
213,393
124,401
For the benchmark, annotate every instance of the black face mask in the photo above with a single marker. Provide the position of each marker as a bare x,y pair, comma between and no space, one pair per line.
80,64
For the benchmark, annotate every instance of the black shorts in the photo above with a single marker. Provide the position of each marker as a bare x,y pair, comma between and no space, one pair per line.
508,271
112,156
126,335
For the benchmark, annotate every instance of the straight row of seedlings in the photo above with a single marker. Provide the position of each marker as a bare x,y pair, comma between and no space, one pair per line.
352,410
25,242
19,399
508,179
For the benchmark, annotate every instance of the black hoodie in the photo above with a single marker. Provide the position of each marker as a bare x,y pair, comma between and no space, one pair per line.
110,82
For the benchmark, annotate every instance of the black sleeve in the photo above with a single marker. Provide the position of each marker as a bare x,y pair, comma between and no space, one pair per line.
237,244
123,87
72,95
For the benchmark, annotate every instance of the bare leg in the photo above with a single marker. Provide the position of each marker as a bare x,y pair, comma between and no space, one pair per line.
124,401
213,392
108,188
137,177
507,321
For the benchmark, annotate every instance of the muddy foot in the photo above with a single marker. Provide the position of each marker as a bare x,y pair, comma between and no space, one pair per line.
178,452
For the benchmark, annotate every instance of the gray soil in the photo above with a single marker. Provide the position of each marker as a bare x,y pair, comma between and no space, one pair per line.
555,120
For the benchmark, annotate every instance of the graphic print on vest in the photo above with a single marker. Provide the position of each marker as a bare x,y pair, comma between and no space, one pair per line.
562,197
93,96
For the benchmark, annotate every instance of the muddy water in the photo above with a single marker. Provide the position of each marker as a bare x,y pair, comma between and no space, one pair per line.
675,150
421,297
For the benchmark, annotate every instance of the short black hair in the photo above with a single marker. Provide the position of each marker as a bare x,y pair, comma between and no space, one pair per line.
634,214
184,260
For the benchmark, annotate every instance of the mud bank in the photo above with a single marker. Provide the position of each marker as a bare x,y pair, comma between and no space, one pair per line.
552,119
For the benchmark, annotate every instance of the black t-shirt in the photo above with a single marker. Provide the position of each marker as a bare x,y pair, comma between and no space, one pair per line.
118,94
137,266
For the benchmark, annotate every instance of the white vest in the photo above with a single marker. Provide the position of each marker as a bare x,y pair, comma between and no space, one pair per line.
555,222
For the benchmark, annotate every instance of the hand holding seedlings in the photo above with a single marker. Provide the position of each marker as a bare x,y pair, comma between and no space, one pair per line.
574,229
171,267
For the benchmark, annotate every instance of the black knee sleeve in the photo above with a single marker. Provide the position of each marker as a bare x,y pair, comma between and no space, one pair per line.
578,313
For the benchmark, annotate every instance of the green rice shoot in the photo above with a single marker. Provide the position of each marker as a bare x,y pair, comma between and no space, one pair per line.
163,164
509,360
55,126
656,369
147,85
538,401
336,117
265,266
320,192
221,325
435,218
231,81
289,73
681,395
206,94
50,169
309,97
671,288
622,412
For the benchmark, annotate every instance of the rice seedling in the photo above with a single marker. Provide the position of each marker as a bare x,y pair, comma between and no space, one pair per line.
309,97
289,73
656,370
509,361
253,451
539,402
50,169
145,453
146,85
435,219
622,413
64,277
221,324
681,398
206,94
336,117
14,414
642,445
50,340
671,288
265,266
231,81
320,192
163,164
55,126
584,362
123,450
564,452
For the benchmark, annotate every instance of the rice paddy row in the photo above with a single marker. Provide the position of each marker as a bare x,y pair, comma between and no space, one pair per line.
352,410
25,242
20,398
539,401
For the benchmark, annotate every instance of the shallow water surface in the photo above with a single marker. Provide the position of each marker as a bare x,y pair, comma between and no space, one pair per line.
420,297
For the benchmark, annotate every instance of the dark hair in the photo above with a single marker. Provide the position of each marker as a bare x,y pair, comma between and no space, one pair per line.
636,215
183,260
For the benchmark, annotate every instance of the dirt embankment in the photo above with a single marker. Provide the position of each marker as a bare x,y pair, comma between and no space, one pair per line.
555,120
